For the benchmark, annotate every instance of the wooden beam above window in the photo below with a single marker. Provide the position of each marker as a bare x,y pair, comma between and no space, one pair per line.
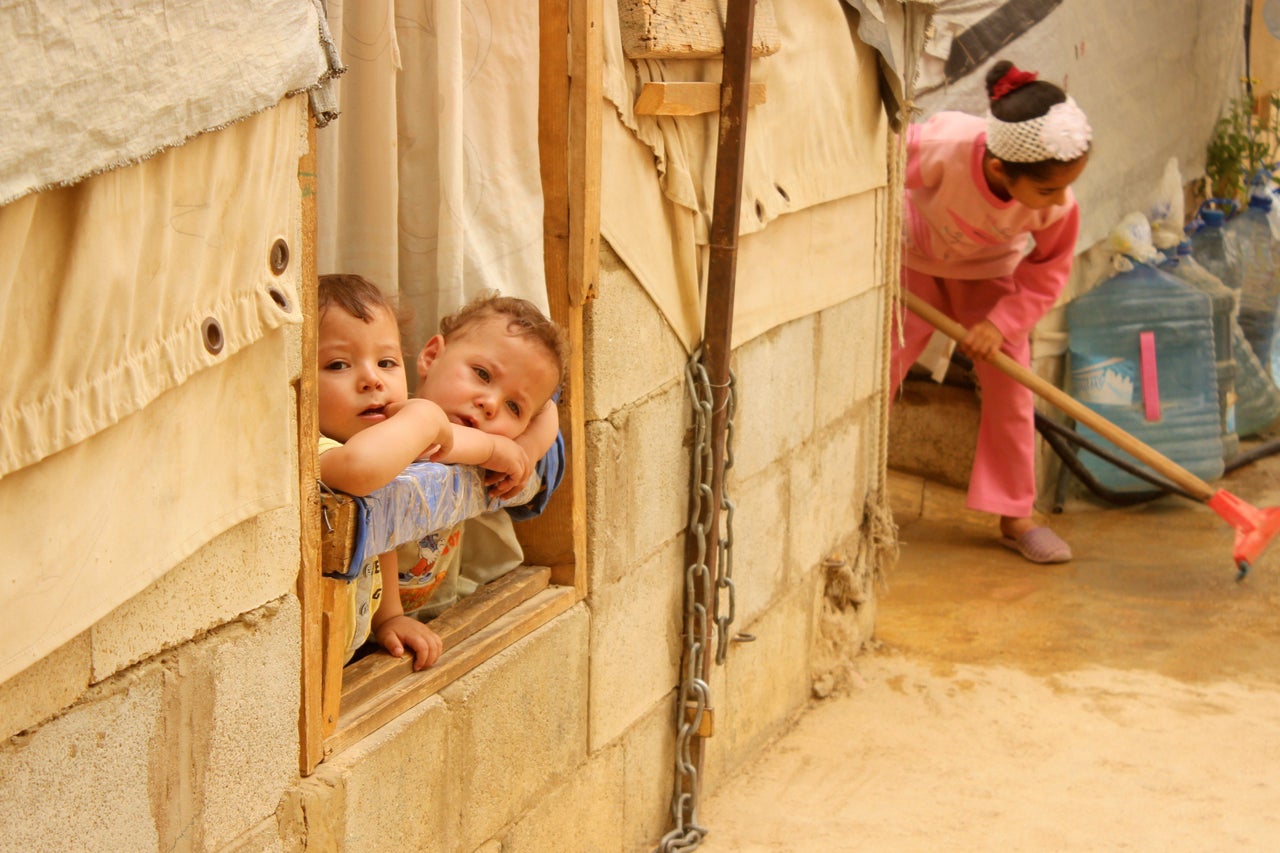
688,99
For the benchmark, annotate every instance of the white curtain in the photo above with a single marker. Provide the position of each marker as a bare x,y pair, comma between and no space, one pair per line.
429,179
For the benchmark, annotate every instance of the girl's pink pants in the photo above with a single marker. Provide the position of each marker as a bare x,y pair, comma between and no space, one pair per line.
1003,480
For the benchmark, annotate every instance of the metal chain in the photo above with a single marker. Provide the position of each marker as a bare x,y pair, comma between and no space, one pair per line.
695,693
724,561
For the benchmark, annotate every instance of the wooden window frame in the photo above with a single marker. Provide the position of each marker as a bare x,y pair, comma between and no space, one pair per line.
339,707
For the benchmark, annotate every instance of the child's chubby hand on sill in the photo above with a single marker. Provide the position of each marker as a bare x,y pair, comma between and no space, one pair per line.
507,469
401,633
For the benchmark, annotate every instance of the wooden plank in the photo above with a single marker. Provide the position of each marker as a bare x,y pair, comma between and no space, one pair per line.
688,29
370,675
334,620
360,721
569,147
310,713
688,99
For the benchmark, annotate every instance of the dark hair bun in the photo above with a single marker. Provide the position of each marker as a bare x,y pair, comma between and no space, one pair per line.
995,74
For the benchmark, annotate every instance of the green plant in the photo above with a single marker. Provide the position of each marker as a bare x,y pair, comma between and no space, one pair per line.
1245,141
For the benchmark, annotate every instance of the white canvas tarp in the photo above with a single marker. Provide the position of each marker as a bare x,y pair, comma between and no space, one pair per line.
819,138
148,405
150,189
1152,78
90,86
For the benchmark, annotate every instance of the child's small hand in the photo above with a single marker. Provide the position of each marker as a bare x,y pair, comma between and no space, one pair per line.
509,468
982,341
401,632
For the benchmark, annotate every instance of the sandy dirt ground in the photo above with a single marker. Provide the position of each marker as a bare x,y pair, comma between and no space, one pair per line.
1128,700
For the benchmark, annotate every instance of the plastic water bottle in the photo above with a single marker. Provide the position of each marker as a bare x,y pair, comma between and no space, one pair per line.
1186,268
1215,248
1259,278
1142,356
1218,251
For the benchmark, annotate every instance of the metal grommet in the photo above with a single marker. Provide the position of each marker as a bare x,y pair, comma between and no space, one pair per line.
279,256
211,330
280,299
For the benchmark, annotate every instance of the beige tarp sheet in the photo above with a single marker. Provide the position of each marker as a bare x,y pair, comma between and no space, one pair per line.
819,138
90,86
125,444
429,180
1152,78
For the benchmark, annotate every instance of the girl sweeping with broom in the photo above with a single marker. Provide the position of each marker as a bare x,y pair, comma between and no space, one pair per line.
980,192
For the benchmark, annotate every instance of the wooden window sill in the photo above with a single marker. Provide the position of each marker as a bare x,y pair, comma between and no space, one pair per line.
378,688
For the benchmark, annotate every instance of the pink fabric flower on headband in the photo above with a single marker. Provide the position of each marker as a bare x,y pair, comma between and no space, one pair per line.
1012,81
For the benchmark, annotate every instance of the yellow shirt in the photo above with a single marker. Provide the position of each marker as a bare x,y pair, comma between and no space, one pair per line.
363,592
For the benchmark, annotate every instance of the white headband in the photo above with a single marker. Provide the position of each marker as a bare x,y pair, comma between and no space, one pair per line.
1063,133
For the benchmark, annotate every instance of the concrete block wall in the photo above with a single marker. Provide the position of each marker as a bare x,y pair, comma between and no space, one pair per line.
188,750
804,451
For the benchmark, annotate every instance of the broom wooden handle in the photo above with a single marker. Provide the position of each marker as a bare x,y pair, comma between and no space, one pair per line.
1053,394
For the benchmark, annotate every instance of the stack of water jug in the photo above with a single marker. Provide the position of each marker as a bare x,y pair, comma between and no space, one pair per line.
1179,348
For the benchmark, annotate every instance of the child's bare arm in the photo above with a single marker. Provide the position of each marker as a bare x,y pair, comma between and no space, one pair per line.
493,452
540,434
373,457
394,630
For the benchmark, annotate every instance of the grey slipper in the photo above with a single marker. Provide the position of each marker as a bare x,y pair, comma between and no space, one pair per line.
1039,545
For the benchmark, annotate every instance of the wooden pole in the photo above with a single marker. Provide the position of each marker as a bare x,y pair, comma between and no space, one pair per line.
717,334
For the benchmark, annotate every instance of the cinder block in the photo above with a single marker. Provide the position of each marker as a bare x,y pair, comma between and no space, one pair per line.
80,782
247,566
828,492
656,465
760,542
395,789
529,701
767,680
47,687
649,749
933,432
621,322
635,636
609,502
775,393
849,355
238,689
582,814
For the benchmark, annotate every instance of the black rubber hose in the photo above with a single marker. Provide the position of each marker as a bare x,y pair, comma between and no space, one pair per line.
1262,451
1054,435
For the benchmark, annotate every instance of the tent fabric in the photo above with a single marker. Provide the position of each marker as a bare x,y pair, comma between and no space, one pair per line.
110,288
430,180
1110,74
90,527
93,86
811,143
125,443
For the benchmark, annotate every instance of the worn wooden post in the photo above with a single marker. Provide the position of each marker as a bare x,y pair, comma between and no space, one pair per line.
717,334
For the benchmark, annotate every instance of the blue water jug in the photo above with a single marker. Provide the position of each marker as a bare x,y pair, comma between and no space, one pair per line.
1135,326
1218,251
1259,279
1215,248
1184,267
